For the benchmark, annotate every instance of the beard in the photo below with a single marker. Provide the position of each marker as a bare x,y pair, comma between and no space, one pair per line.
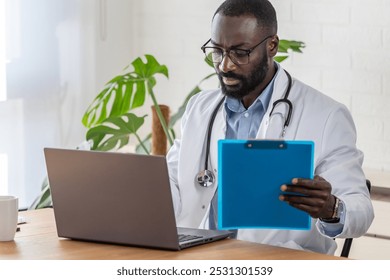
247,83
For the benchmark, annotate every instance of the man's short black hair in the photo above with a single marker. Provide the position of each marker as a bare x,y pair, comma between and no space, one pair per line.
261,9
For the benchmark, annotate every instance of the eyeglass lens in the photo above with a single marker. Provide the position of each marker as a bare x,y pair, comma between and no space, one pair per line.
215,55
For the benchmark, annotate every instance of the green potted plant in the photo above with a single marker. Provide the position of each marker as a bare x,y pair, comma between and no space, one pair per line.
108,119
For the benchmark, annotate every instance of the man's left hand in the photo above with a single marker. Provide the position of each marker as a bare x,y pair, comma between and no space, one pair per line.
313,196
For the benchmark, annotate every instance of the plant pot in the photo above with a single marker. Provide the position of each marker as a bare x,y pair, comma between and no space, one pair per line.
159,139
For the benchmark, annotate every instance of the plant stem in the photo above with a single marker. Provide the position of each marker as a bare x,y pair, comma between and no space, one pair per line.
160,115
141,144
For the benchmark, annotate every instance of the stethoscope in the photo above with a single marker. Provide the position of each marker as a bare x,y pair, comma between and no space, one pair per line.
206,177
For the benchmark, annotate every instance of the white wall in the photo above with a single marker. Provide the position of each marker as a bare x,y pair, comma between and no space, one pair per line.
347,57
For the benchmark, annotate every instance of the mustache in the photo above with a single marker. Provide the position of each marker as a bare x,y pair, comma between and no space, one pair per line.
230,75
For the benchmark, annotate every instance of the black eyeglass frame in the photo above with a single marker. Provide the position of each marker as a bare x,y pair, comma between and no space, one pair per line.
247,51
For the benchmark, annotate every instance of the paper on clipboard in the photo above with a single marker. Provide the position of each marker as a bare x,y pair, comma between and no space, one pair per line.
249,179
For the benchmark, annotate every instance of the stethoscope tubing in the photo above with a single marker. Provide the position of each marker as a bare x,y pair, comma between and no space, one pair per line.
286,100
209,131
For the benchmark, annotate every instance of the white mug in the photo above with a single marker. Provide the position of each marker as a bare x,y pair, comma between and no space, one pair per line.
8,217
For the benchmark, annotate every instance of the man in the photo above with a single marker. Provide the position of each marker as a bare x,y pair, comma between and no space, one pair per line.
242,46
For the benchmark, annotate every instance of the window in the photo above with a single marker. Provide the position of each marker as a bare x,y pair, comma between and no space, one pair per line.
3,87
3,97
40,63
3,174
55,56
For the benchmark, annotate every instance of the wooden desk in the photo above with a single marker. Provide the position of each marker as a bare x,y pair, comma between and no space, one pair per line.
38,239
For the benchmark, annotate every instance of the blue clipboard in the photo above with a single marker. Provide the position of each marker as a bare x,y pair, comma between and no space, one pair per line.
249,179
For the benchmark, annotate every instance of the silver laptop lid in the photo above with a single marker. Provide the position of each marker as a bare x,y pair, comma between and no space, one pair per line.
100,196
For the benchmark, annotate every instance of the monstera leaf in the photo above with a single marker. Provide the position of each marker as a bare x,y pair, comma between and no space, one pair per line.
124,92
286,46
115,132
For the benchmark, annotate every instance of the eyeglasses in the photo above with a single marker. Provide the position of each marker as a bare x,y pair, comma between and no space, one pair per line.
237,56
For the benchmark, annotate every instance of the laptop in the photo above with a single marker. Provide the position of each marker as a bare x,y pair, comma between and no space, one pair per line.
117,198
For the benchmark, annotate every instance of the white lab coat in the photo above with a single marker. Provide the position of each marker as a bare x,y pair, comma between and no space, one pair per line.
315,117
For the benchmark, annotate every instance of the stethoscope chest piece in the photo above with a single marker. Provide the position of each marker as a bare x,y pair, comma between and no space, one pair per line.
205,178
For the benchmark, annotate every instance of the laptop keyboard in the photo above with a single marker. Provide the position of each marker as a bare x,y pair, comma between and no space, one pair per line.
186,237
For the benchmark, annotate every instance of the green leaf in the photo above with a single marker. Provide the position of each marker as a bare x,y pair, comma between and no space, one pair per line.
209,61
150,68
286,45
139,95
280,58
90,117
115,132
44,199
124,92
117,104
127,98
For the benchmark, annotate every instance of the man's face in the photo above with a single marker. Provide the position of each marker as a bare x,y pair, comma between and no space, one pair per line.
241,32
